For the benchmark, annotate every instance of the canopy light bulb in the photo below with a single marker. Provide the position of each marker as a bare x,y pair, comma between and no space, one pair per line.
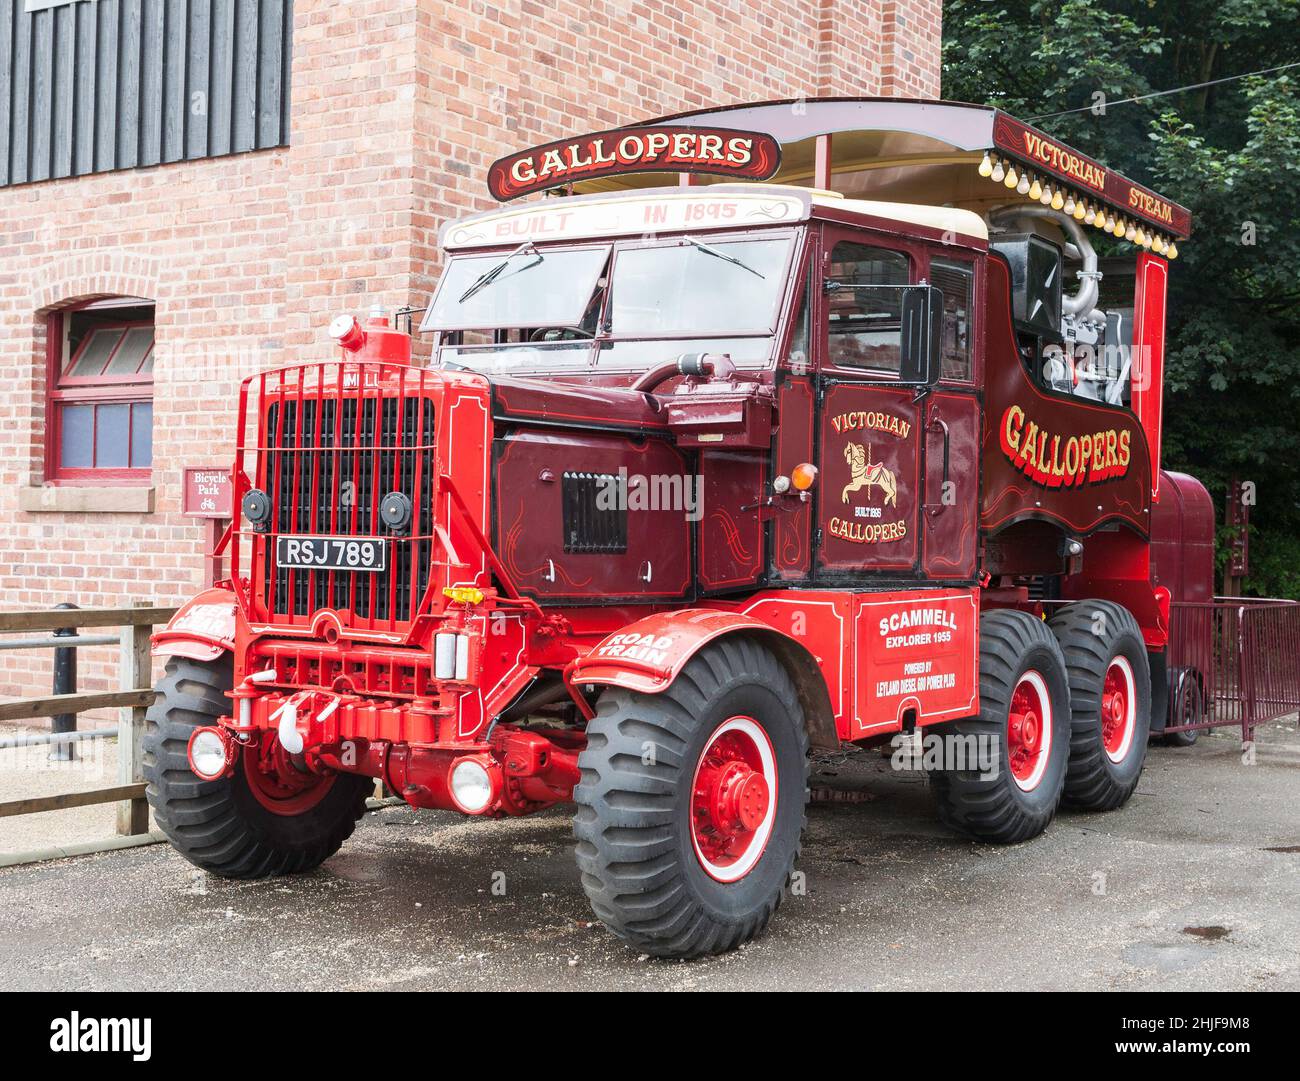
1089,215
1121,227
1172,252
1130,234
1024,185
1046,197
1057,200
1012,178
998,171
1070,204
1035,189
986,166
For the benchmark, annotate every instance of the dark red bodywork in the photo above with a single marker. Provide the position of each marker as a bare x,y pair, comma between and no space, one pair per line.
868,586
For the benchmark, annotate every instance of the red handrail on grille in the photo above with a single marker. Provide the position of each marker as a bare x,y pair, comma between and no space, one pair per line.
330,441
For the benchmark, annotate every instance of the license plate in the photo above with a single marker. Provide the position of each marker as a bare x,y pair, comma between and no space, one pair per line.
331,553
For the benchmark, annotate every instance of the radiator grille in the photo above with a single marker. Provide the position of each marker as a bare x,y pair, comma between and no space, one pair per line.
595,513
326,463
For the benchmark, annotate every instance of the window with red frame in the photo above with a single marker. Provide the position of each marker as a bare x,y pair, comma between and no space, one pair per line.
101,393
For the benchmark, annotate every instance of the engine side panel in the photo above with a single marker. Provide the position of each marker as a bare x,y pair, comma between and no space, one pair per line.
592,517
1050,456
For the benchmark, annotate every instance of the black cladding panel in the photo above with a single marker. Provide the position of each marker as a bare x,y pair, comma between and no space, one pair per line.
123,84
1036,270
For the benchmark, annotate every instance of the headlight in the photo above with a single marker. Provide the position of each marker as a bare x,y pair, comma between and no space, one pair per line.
472,786
257,509
395,511
207,754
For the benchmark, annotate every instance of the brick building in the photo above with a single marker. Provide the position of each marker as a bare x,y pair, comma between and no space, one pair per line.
149,266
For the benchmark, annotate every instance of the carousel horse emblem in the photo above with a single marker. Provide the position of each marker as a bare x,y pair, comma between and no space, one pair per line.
865,474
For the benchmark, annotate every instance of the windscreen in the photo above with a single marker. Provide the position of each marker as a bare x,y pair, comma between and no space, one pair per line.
624,306
698,287
526,288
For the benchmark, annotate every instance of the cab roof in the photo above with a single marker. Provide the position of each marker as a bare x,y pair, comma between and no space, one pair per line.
922,159
639,211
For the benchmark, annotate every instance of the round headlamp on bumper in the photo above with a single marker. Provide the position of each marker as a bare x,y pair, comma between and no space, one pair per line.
257,509
475,784
211,753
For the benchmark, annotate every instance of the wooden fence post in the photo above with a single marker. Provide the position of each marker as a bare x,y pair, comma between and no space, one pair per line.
136,673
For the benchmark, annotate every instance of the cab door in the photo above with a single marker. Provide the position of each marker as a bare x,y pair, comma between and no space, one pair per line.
950,504
870,442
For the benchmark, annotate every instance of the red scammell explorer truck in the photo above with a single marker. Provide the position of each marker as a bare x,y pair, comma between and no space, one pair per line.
712,465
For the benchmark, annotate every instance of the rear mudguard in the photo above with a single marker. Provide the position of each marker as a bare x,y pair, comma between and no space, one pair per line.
648,655
202,629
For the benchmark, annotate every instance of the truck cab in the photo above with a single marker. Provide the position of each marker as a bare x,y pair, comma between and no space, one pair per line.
799,302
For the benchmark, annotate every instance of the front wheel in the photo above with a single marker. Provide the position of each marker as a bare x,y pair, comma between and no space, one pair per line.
691,805
266,818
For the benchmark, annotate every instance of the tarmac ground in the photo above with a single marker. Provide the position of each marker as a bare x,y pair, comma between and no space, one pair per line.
1193,886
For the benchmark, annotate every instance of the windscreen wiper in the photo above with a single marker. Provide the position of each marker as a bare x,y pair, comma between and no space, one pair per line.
724,257
486,279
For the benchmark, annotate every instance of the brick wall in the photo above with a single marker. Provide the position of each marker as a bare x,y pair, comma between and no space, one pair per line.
398,106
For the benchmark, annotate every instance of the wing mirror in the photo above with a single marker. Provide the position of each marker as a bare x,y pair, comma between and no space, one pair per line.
917,313
922,336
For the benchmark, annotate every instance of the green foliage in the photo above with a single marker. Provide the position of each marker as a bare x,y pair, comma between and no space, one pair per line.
1229,152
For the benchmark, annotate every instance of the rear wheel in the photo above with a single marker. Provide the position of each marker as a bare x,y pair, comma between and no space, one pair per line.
268,817
691,804
1189,707
1021,736
1110,702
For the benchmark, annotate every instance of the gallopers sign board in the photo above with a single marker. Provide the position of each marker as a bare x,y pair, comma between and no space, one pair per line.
740,155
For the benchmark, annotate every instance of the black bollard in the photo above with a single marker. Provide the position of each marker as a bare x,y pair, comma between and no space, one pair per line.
65,682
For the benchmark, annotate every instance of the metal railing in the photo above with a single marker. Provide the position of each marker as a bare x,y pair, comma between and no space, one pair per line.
133,699
1233,661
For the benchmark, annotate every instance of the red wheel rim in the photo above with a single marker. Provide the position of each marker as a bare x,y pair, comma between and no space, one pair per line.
733,799
1029,731
1118,709
280,786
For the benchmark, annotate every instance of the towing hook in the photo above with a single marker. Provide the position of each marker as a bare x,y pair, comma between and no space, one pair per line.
287,730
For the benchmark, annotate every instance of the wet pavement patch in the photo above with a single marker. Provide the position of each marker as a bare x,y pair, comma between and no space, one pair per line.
1211,934
1165,957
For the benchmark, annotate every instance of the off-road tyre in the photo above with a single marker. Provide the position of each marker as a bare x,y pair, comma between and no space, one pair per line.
638,853
220,825
1101,640
992,805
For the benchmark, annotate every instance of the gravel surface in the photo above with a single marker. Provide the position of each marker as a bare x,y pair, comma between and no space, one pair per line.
28,772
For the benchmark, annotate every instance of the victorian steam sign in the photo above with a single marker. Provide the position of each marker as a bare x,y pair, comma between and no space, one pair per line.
742,155
1090,177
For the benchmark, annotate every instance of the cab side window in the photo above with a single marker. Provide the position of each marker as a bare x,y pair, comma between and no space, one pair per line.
956,280
865,325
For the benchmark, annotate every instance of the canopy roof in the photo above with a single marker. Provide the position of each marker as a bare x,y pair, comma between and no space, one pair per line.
936,153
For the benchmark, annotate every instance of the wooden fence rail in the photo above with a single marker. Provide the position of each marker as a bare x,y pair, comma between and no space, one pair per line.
133,699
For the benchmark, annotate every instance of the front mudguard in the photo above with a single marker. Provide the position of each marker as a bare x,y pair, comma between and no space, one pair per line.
202,629
648,655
